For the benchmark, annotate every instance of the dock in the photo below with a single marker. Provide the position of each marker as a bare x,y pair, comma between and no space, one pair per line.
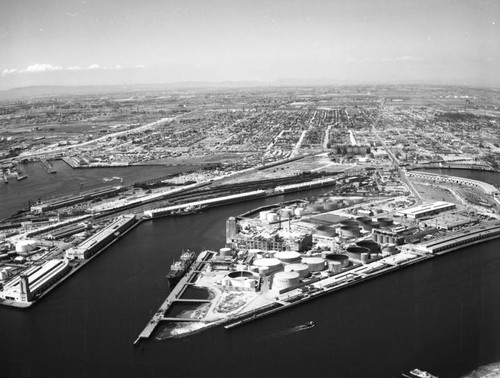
174,296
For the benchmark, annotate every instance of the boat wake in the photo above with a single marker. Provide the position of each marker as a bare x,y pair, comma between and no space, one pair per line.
292,330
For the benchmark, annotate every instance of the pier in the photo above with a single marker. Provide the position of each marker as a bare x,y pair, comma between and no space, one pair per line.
48,166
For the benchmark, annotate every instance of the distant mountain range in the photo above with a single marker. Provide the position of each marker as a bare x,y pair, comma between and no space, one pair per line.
54,90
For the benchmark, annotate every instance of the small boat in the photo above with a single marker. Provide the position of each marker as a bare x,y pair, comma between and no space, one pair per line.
306,325
417,373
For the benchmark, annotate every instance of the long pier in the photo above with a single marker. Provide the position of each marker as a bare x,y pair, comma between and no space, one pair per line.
174,296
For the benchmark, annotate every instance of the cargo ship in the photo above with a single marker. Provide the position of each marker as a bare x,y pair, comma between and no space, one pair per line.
179,267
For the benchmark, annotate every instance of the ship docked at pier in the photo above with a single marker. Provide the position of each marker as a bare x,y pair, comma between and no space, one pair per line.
180,267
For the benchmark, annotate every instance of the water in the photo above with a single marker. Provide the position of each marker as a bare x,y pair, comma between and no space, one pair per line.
441,315
40,184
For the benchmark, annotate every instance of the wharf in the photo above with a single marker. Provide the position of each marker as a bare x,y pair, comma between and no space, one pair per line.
74,269
173,296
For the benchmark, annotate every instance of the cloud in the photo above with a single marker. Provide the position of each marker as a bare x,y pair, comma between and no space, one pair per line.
9,71
41,68
44,67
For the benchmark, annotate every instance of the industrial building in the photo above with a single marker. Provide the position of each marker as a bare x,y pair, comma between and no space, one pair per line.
31,283
427,209
171,210
461,239
98,241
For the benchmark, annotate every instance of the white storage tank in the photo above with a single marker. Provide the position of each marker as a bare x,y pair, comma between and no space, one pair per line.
269,264
301,269
224,252
253,252
272,217
284,280
25,246
263,215
288,257
315,264
299,211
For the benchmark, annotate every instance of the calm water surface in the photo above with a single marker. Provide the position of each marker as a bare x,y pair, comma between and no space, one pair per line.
441,315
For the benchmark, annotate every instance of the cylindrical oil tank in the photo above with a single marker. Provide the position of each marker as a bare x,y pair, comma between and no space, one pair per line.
348,222
283,280
302,269
385,222
272,217
374,224
317,207
367,226
349,231
269,263
334,266
365,257
370,244
264,270
354,252
326,231
286,213
315,264
223,252
253,252
288,257
363,220
389,248
338,258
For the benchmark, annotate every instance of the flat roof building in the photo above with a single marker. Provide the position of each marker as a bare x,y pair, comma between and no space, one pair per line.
426,209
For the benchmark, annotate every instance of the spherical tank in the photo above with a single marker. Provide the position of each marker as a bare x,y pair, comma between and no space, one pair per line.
349,231
283,280
288,257
302,269
315,264
370,244
355,252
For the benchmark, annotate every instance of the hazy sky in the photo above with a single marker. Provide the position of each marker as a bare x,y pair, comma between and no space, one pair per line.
162,41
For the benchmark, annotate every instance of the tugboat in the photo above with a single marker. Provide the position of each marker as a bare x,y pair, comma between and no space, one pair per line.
179,267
